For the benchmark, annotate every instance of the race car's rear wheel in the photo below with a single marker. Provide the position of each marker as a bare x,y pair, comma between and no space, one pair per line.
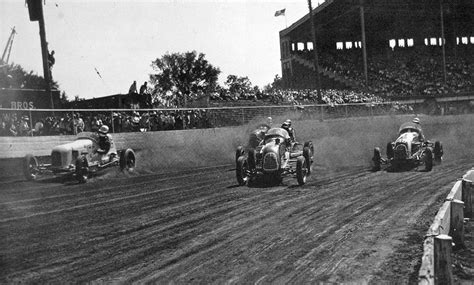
438,151
30,167
241,171
389,150
307,154
127,160
376,159
428,159
82,169
301,170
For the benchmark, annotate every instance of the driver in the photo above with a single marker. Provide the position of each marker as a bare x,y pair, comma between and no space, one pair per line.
291,132
104,140
416,121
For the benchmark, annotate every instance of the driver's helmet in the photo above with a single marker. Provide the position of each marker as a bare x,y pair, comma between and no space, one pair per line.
103,130
269,121
416,121
285,125
288,121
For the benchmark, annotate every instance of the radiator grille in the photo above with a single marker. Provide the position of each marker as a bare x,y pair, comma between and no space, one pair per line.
400,152
56,158
270,162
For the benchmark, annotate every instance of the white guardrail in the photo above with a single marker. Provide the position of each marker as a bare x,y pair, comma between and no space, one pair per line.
446,231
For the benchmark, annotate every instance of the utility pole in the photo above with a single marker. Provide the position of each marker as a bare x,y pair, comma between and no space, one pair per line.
364,44
35,8
443,41
315,51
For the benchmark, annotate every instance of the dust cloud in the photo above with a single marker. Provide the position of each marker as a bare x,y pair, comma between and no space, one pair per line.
337,143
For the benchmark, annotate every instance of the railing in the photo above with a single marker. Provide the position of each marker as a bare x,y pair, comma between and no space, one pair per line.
65,121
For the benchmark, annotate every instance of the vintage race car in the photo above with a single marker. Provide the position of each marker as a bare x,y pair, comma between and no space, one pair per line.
408,151
274,158
79,158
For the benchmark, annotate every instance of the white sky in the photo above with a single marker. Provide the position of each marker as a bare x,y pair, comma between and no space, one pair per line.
121,38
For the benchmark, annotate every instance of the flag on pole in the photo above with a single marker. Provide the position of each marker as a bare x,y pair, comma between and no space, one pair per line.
280,13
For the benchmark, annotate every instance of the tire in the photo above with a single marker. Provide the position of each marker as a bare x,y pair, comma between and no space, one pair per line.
252,159
127,160
241,171
30,167
389,150
307,154
82,169
377,159
239,152
428,159
301,170
438,151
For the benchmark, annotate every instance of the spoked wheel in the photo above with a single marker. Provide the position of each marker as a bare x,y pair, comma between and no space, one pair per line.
82,169
239,152
428,159
241,171
301,170
376,159
307,154
127,160
30,167
438,151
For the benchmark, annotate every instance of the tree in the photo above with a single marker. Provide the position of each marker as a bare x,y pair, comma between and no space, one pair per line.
185,75
14,76
239,86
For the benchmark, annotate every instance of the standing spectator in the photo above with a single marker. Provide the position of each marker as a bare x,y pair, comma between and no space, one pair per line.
39,127
95,124
80,124
143,88
133,88
24,127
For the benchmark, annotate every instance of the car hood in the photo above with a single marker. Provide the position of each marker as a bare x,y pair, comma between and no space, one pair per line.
407,138
78,145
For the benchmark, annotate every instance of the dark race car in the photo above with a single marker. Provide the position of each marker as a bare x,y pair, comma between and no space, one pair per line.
273,158
408,151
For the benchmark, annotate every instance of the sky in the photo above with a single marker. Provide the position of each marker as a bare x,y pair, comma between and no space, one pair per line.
121,38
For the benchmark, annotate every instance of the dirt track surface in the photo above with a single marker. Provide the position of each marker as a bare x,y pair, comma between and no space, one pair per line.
344,225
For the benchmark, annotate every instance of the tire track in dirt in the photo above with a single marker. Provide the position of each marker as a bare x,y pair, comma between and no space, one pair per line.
208,231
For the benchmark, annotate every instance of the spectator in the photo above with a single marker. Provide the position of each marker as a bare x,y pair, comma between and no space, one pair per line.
133,88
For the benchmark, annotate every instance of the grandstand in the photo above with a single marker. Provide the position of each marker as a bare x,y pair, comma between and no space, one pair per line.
392,48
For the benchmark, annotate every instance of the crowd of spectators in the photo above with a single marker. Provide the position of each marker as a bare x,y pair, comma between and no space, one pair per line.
403,73
11,124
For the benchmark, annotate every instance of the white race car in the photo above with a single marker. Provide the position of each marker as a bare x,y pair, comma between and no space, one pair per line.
79,158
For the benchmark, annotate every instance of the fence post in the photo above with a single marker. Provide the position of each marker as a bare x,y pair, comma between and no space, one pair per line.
243,116
467,198
457,223
322,112
346,110
442,259
31,122
112,121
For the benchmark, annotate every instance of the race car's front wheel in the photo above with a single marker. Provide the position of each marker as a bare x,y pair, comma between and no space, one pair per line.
428,159
127,160
239,152
241,171
376,159
438,151
30,167
82,169
301,170
308,156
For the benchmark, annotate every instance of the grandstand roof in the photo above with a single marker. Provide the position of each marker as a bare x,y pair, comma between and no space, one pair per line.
340,19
